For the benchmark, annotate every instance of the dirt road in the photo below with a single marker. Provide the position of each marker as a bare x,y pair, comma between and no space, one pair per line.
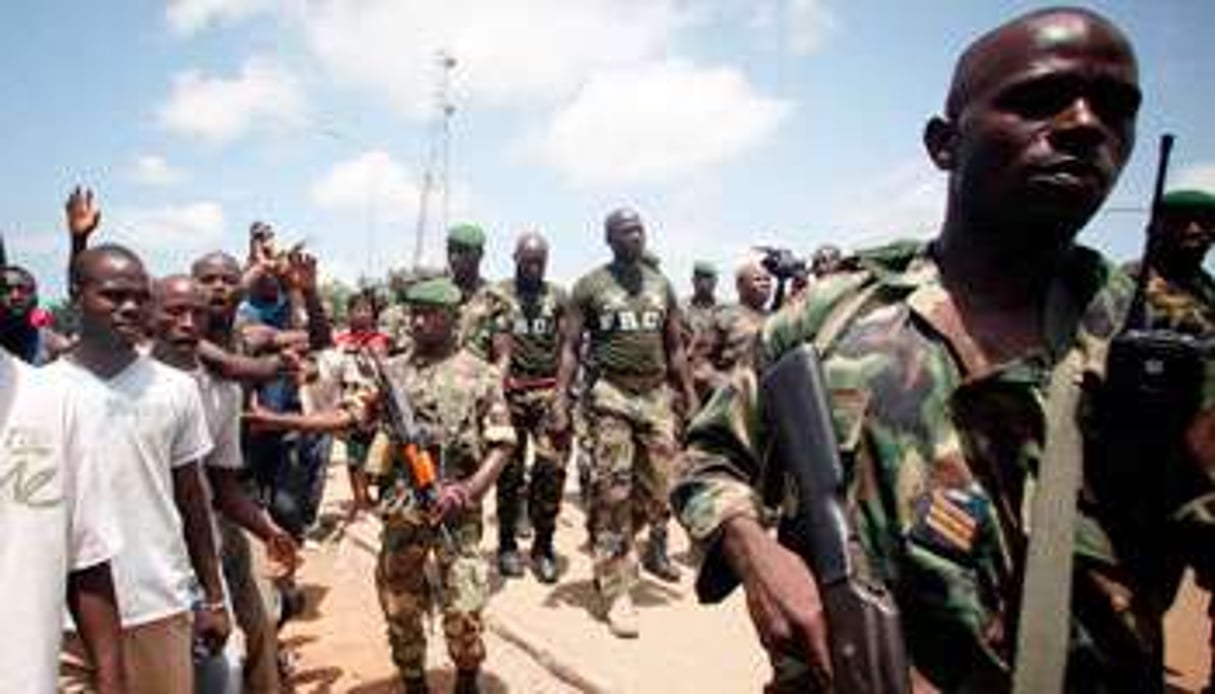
549,639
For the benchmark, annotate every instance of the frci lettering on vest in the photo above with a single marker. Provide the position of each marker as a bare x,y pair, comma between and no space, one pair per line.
534,326
630,321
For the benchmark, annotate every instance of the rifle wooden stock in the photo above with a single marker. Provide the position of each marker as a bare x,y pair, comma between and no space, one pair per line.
404,430
864,633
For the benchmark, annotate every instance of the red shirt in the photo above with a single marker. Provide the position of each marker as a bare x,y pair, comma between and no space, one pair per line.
351,340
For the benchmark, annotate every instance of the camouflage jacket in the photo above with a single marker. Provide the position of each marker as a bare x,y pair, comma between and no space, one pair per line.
478,313
732,335
1186,309
941,450
458,401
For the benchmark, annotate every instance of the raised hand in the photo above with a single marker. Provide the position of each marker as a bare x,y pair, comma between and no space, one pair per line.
82,212
301,271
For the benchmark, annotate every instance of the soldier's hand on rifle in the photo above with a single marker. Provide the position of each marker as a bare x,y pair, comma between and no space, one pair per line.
82,212
454,497
1201,440
781,594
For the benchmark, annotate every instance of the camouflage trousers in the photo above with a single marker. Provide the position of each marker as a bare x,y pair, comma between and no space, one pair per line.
528,409
635,452
414,573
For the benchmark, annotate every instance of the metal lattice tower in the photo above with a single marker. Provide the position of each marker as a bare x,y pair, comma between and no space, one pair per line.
436,176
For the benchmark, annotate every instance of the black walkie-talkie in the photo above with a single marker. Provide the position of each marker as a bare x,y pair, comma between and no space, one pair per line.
1152,391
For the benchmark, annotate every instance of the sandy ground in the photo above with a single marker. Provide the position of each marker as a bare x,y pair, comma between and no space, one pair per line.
549,638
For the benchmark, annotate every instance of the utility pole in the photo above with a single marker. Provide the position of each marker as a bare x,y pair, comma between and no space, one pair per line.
438,157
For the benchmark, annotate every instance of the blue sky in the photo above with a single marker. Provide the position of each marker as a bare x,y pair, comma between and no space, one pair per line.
725,122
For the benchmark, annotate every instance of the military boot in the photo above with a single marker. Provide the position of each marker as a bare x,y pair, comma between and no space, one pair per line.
467,682
622,619
510,564
544,562
524,528
656,560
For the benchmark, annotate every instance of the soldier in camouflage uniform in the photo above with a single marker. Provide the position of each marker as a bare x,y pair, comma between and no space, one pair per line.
1181,294
457,398
733,330
698,313
937,358
629,311
528,332
479,303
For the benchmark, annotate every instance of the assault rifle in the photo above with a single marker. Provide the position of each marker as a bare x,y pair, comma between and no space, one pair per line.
410,439
1152,392
864,634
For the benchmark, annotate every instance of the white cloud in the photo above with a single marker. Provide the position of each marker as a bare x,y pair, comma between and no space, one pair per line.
657,122
908,200
376,201
220,110
1200,176
154,170
798,27
372,182
187,17
510,52
809,23
185,229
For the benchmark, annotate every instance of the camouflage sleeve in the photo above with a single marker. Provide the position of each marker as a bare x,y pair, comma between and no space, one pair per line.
723,464
494,413
722,470
582,294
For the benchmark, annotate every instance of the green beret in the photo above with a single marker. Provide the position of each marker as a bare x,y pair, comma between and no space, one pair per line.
1196,200
439,291
466,235
702,267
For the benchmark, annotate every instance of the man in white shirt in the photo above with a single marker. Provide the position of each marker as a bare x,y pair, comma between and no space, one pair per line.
57,536
147,430
179,318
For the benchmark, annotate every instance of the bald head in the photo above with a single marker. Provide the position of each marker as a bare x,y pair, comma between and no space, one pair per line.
530,242
625,234
95,264
111,289
753,284
997,53
1039,122
216,260
179,316
531,259
171,286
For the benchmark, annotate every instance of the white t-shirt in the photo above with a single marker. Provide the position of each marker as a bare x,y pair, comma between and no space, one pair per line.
221,400
142,423
56,516
325,393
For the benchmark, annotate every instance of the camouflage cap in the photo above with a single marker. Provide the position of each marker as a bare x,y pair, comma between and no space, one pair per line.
705,268
1196,200
466,235
439,291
